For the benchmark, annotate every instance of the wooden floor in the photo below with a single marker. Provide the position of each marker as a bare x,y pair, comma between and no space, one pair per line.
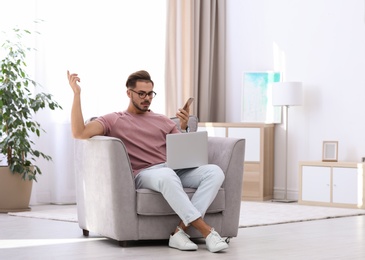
340,238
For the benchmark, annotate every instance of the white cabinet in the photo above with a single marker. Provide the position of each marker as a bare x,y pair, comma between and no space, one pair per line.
316,183
339,184
345,188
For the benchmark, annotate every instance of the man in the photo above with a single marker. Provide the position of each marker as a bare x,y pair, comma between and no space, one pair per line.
144,134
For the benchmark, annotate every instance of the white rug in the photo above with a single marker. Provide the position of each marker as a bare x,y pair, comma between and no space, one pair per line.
52,212
269,213
252,213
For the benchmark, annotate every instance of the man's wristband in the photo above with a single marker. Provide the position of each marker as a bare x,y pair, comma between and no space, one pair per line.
187,130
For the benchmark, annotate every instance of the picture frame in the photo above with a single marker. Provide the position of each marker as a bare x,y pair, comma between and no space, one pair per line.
330,151
256,104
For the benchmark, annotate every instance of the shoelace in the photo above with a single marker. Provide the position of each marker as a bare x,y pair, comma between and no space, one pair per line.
217,238
186,236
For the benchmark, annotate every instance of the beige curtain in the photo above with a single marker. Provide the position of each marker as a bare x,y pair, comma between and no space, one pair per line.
195,57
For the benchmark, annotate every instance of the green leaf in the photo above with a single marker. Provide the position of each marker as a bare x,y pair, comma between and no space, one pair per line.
19,104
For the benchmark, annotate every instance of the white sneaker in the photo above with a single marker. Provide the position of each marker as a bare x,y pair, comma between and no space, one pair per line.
181,241
214,242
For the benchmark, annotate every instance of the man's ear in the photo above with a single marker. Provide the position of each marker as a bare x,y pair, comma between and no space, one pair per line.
128,93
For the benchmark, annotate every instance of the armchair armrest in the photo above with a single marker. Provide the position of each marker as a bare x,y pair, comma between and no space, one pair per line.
105,187
228,153
222,150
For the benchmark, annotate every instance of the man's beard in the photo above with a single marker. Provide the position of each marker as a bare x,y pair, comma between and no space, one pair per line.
145,106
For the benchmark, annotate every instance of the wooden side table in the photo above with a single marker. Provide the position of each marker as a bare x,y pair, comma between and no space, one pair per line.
258,177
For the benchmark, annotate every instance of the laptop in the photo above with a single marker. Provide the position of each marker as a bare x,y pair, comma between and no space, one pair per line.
186,150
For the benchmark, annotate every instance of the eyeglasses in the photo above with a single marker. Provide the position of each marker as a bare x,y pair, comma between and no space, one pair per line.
143,94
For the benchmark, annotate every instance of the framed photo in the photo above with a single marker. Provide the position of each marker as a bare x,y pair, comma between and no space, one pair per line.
330,151
256,97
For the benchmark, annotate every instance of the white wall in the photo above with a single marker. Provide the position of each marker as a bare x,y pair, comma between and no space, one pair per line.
318,42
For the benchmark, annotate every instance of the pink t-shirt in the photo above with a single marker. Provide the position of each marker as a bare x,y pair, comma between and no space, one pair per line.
144,136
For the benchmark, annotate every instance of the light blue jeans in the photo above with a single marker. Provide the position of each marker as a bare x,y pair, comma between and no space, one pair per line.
207,179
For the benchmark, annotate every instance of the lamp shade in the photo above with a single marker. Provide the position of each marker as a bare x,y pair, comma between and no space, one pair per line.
287,94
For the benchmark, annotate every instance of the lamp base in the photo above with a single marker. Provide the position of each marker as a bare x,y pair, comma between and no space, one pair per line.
284,200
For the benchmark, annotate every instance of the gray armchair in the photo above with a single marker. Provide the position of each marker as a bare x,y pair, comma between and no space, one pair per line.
109,204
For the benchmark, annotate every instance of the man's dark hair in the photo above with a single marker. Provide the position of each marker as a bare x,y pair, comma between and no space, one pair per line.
140,75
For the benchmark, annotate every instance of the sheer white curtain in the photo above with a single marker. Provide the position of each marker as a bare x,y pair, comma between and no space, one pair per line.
196,58
103,41
179,55
7,22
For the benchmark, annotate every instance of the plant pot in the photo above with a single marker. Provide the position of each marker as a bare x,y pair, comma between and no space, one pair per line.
14,191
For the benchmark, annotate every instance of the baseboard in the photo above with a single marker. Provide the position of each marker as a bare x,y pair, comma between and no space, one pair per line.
280,194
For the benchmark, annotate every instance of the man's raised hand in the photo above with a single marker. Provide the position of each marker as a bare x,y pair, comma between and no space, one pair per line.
73,80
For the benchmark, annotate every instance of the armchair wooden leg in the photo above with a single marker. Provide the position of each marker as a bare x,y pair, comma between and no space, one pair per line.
85,232
123,243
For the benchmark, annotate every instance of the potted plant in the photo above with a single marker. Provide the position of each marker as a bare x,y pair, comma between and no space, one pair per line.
19,102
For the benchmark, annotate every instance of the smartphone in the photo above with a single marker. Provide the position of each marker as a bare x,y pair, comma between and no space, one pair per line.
188,103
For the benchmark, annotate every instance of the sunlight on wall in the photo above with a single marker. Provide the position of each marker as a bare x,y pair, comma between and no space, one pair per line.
279,60
279,66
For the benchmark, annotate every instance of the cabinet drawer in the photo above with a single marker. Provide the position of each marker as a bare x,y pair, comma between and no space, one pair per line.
345,185
251,181
253,141
251,172
316,183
